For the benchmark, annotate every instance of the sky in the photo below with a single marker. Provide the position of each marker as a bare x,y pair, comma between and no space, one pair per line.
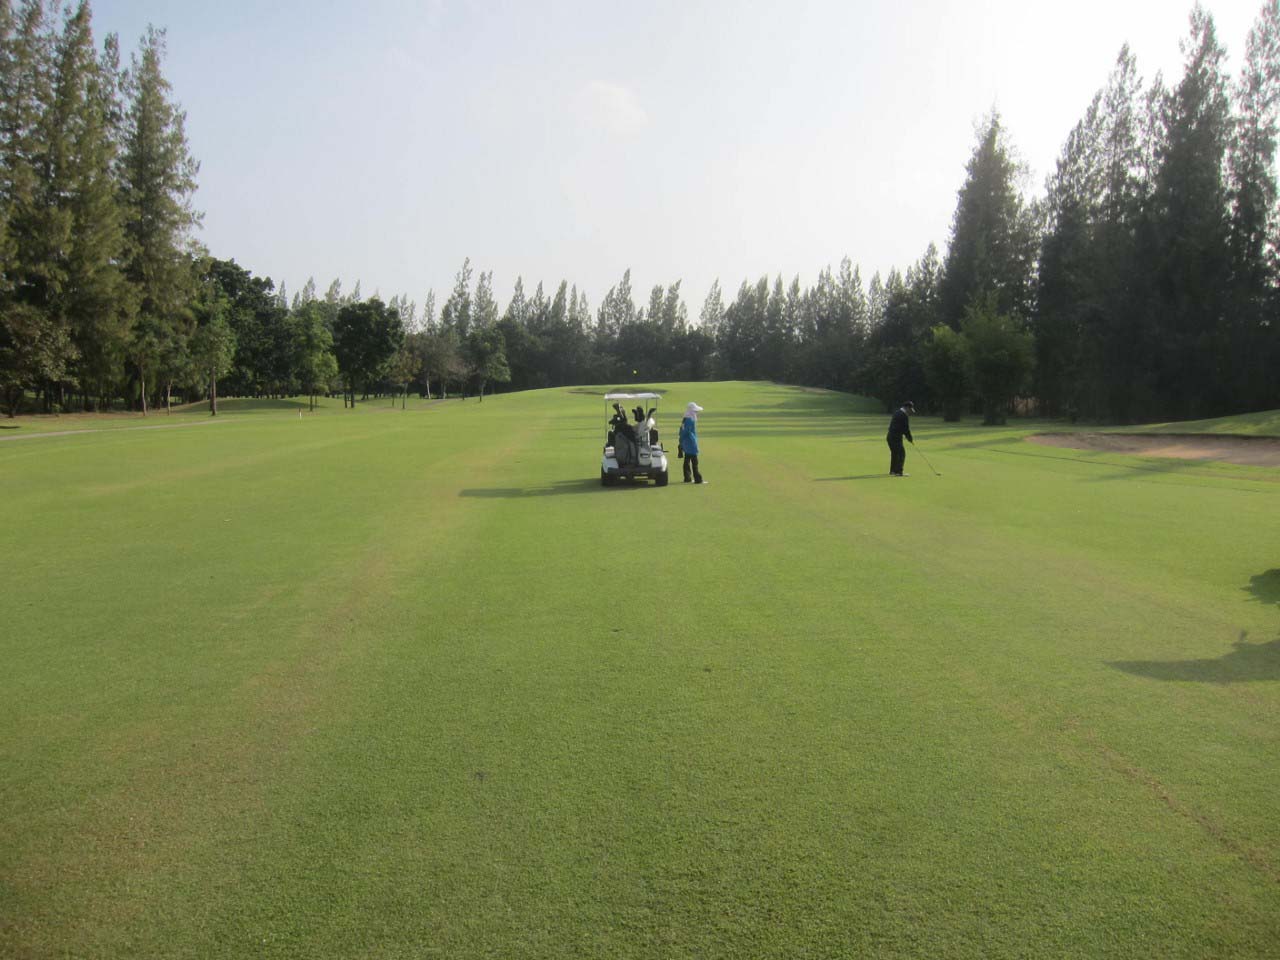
387,140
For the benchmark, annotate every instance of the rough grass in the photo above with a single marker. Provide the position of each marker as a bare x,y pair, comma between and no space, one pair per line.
406,684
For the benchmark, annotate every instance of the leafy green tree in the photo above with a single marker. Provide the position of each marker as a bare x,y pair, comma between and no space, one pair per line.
442,360
1001,355
947,364
404,368
901,311
32,351
315,367
486,357
213,345
366,336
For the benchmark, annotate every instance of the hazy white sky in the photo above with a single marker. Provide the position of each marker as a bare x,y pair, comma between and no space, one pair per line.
387,140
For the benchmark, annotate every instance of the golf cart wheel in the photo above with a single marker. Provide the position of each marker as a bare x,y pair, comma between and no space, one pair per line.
661,479
604,479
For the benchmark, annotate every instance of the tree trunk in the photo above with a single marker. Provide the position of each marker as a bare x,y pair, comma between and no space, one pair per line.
142,385
168,398
213,396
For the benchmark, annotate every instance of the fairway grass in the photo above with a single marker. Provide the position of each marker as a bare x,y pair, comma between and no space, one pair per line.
411,684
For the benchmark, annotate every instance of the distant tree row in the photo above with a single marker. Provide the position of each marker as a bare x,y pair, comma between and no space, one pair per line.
1144,284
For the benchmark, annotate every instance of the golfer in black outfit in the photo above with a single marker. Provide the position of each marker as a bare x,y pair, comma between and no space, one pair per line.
899,427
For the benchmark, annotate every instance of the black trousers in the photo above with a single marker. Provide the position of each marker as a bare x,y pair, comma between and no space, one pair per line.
691,466
897,454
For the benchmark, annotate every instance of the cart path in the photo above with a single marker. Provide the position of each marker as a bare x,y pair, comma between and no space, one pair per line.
1247,451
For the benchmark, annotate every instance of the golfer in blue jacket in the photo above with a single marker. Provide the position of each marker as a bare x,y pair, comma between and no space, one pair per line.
689,443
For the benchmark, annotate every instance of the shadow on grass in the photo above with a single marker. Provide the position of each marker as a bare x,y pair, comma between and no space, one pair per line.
863,476
1246,661
1265,587
558,489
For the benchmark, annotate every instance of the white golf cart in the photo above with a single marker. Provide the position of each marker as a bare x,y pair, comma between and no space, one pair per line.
631,447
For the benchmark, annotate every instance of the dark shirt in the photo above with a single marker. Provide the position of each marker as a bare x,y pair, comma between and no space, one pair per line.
900,425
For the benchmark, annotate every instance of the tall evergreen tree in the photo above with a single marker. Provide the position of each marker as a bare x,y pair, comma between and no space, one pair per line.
993,235
1187,251
1254,348
485,311
456,313
35,343
712,313
157,175
1068,291
94,299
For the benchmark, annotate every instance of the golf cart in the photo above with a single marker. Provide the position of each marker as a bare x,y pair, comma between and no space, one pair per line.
631,449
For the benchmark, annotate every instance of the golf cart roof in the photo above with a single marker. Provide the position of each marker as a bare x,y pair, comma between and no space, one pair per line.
633,396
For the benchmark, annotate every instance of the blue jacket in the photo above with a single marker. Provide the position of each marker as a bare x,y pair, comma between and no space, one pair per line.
689,436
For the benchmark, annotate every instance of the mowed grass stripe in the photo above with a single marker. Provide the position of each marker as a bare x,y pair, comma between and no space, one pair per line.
240,694
745,720
1044,581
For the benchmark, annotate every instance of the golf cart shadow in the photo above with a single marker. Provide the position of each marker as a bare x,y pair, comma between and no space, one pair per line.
1246,661
557,489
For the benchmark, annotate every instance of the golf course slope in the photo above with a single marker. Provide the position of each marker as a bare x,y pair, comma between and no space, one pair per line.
410,683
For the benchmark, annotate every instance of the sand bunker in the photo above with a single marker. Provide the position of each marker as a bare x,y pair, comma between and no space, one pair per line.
1250,451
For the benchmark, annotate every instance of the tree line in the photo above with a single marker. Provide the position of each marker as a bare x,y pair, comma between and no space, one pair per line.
1143,284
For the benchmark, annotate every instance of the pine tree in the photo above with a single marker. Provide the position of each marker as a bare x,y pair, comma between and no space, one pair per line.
993,237
712,310
429,312
1067,290
94,299
485,309
1187,251
1253,343
35,343
456,313
157,182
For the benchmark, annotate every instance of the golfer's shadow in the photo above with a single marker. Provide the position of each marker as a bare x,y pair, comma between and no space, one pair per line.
864,476
1246,661
557,489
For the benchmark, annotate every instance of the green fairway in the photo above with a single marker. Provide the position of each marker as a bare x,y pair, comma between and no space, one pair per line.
401,684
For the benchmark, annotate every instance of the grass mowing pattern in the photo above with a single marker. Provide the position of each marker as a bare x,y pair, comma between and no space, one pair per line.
410,683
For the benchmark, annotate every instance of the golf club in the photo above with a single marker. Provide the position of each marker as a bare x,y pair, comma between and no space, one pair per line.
925,459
